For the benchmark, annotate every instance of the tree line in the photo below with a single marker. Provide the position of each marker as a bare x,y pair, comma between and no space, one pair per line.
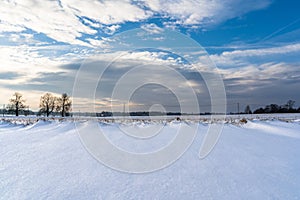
49,104
274,108
52,105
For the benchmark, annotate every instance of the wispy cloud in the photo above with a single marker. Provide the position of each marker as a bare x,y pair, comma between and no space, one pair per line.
204,12
69,20
47,17
262,84
247,56
152,28
30,61
265,51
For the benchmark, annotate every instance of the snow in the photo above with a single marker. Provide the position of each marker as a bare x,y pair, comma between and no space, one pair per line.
256,160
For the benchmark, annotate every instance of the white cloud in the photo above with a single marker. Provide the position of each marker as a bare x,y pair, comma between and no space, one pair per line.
243,57
5,27
152,28
99,43
107,12
253,74
45,17
110,30
23,38
67,20
204,12
29,62
60,21
264,51
153,58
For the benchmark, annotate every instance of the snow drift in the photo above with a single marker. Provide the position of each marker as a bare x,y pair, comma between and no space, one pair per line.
46,160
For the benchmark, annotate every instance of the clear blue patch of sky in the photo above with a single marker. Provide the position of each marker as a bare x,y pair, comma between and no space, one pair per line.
251,28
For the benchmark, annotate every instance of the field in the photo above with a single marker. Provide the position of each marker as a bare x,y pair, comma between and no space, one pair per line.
257,157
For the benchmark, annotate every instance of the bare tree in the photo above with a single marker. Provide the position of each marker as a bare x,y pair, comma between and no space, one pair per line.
48,104
17,103
290,104
64,104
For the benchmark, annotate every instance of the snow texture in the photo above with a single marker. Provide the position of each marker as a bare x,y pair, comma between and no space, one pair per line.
259,159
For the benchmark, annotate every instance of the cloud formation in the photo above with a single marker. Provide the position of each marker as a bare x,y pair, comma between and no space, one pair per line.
203,12
44,42
238,58
69,20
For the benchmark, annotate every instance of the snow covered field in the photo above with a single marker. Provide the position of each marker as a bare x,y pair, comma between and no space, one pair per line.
259,159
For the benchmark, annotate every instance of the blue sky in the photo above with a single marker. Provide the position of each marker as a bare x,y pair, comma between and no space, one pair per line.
254,43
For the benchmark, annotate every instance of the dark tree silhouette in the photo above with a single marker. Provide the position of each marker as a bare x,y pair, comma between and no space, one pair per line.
290,104
248,110
17,103
64,104
48,104
274,108
259,111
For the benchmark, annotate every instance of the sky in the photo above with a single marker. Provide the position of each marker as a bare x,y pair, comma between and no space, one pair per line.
53,45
